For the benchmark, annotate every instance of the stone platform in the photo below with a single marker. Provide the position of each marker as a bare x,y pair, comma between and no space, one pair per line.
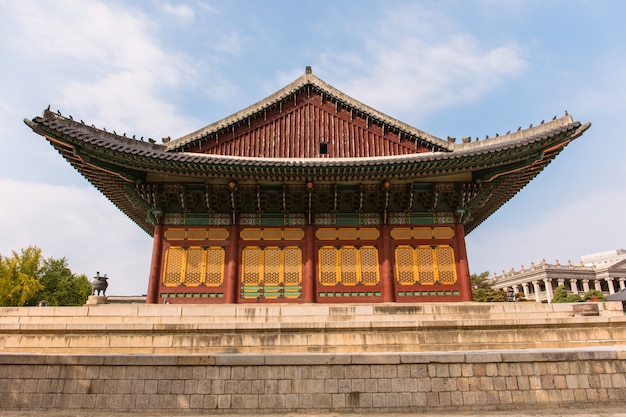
314,359
310,328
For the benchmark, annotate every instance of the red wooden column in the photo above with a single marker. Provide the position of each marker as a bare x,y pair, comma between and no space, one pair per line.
462,265
308,277
385,264
154,280
230,279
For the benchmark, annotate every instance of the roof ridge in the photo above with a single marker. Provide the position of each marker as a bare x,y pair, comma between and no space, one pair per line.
308,78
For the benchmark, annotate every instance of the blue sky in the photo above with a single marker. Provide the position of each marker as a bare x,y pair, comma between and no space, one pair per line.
451,68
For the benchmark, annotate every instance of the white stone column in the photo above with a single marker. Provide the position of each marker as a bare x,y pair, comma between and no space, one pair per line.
561,281
515,289
549,293
609,281
622,284
573,284
525,287
597,285
537,290
585,285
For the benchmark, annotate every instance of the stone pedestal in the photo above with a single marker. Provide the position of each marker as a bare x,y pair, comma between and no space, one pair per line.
97,299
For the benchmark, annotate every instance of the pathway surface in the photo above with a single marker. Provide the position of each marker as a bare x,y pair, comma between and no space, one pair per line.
607,412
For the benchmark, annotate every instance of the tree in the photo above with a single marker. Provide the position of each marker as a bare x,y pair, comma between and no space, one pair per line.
28,278
560,295
60,286
19,276
573,298
483,291
594,295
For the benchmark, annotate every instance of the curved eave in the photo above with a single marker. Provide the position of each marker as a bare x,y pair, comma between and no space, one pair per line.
135,155
115,164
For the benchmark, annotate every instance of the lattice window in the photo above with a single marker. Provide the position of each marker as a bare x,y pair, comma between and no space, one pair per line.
405,265
173,265
214,276
369,265
272,272
251,265
328,265
194,266
445,264
195,263
271,266
426,265
293,265
348,265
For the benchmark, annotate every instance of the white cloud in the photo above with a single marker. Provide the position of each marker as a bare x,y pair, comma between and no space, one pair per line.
114,71
418,59
180,11
80,225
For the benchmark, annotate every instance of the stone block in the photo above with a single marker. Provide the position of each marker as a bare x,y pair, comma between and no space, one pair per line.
243,360
445,399
384,385
270,386
230,386
247,401
224,401
211,402
177,387
379,399
314,386
376,359
344,385
291,401
432,399
128,402
418,399
331,386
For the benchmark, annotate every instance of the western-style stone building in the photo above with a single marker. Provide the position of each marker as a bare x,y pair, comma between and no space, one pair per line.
307,196
605,271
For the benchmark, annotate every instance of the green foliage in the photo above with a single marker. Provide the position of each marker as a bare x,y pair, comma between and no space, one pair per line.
28,278
19,276
573,298
560,295
60,286
594,295
483,291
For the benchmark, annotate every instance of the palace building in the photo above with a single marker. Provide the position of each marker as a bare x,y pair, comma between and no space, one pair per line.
307,196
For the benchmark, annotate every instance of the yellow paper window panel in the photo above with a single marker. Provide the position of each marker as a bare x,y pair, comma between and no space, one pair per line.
194,233
347,233
348,265
293,266
422,233
251,265
270,233
425,265
272,265
194,266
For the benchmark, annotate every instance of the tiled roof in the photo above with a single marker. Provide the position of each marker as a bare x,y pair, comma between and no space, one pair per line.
308,79
488,172
102,139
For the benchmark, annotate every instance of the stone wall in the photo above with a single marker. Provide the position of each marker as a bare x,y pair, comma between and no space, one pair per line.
359,383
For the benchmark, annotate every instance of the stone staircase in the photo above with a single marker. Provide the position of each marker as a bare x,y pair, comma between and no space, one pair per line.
308,328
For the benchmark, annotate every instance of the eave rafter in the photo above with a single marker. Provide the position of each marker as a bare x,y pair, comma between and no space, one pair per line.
471,179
